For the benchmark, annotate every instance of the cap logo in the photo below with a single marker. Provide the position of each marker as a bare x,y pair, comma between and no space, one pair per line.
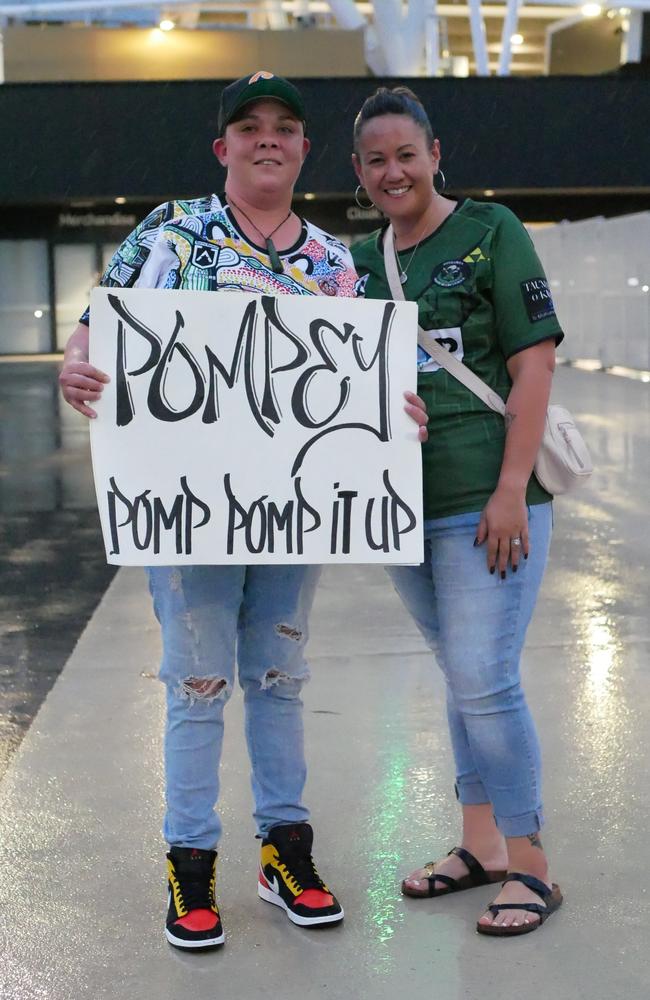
261,75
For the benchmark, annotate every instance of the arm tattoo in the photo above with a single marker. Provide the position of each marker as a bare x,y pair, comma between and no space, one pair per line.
535,841
509,419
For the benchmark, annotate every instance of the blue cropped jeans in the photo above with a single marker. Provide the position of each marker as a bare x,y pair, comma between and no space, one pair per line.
210,617
475,623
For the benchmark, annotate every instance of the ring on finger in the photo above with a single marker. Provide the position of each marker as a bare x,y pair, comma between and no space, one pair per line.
515,541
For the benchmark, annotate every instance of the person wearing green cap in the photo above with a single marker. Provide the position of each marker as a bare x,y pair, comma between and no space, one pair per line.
247,239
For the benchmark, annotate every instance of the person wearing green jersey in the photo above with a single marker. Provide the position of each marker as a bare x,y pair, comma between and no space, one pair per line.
481,291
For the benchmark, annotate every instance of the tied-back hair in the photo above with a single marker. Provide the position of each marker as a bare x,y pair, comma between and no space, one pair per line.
398,101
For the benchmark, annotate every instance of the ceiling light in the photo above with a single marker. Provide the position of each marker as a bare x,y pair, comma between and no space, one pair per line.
625,11
489,193
38,313
591,10
517,39
633,282
120,201
310,196
166,25
645,288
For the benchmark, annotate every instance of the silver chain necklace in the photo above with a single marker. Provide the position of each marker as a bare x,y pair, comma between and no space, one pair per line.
403,273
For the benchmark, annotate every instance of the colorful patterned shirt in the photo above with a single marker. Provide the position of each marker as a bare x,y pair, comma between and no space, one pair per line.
197,245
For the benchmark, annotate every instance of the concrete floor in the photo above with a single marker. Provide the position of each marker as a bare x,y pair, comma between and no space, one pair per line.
81,874
53,566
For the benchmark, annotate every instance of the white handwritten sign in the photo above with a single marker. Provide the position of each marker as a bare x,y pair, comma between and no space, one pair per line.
248,429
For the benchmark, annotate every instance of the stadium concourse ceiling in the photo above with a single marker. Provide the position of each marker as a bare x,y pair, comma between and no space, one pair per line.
416,38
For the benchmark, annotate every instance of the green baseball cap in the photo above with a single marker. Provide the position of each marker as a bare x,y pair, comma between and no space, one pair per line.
254,88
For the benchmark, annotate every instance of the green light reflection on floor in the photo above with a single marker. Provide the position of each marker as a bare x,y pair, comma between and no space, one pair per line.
387,813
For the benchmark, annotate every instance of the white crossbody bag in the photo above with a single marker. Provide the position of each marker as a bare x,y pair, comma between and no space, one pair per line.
563,460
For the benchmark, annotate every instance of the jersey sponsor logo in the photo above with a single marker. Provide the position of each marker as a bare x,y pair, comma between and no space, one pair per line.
537,299
474,256
204,255
451,339
451,273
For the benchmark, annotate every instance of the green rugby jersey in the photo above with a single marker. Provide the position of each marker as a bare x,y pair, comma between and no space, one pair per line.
481,290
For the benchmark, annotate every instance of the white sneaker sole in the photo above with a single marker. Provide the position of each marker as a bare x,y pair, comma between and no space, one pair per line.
205,943
271,897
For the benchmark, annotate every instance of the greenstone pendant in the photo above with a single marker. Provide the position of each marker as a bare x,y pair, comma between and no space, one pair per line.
274,257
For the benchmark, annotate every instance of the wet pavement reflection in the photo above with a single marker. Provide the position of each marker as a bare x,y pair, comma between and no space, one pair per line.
51,554
595,611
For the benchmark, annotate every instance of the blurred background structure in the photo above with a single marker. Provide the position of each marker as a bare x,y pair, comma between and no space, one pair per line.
90,39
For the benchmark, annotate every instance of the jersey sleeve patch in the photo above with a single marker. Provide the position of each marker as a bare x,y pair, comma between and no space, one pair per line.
537,299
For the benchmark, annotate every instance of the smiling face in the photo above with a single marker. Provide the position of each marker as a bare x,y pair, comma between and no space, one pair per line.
396,165
263,150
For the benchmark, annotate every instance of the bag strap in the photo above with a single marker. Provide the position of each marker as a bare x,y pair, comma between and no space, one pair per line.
428,342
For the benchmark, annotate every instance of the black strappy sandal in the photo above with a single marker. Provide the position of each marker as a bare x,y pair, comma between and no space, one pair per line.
551,900
476,876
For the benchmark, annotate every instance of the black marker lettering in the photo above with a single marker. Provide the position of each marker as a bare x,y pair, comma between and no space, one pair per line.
346,497
168,521
398,505
304,506
124,401
148,519
159,405
383,544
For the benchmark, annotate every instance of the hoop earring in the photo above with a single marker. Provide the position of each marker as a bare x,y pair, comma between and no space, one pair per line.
444,182
359,188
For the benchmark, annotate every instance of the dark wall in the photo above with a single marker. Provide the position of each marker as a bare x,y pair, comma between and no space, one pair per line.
152,140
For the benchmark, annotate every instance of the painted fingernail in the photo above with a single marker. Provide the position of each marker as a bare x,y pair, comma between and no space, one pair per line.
503,574
475,542
525,555
492,569
514,569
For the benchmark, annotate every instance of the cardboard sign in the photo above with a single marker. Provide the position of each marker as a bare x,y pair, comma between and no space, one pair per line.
249,429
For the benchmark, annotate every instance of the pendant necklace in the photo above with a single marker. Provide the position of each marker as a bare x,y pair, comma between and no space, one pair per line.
403,273
274,256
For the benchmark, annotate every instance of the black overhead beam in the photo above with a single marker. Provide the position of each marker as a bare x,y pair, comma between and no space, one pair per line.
153,140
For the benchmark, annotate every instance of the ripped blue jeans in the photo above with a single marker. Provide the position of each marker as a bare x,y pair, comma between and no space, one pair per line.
212,617
476,624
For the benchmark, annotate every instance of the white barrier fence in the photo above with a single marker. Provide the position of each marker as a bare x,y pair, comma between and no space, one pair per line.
599,272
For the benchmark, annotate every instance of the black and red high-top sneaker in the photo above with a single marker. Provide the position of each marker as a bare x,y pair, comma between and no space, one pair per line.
288,877
193,919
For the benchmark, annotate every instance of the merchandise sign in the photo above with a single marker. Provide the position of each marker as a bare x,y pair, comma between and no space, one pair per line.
242,428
